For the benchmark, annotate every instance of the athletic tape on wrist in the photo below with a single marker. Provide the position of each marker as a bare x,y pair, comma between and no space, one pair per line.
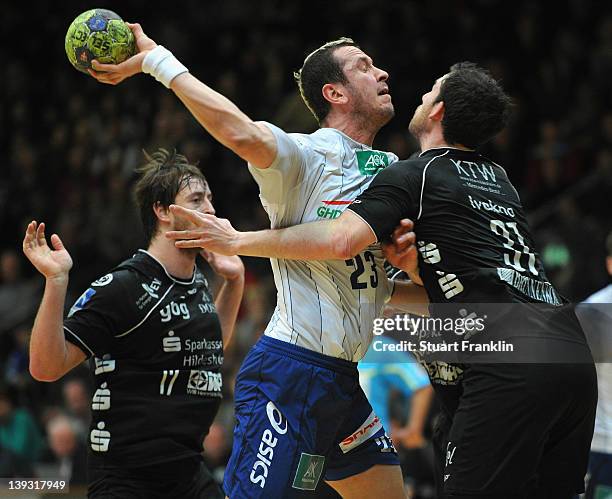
162,65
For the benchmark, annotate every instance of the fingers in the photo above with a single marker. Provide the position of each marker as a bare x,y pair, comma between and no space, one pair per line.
409,238
183,234
136,29
30,235
106,68
56,242
190,215
40,235
108,78
189,243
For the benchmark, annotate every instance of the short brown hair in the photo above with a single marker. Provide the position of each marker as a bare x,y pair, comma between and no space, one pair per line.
161,178
321,67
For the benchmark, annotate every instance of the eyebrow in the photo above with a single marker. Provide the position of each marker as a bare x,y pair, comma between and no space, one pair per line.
199,192
363,58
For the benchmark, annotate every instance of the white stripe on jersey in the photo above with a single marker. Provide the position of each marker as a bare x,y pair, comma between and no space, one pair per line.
325,306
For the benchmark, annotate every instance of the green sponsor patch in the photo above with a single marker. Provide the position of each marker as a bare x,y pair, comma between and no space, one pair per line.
308,472
371,161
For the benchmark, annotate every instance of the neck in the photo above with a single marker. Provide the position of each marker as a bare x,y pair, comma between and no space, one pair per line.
355,127
435,139
178,262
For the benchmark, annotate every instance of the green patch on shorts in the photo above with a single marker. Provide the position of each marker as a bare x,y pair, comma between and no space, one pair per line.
308,472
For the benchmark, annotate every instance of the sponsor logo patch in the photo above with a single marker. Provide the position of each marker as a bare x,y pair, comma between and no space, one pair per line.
103,281
369,427
370,162
204,383
308,472
82,301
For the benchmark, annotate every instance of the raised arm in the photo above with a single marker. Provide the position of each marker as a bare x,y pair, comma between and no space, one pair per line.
229,295
51,356
254,142
337,239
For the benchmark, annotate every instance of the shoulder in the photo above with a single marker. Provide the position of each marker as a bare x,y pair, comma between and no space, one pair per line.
402,170
602,296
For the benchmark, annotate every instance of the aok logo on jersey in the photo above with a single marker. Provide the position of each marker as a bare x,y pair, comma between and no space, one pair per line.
370,162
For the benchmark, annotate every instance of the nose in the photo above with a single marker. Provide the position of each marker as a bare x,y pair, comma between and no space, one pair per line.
382,74
209,209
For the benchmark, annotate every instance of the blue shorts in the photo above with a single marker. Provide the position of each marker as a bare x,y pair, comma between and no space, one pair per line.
300,416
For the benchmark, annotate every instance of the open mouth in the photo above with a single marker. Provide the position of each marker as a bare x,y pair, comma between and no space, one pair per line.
384,91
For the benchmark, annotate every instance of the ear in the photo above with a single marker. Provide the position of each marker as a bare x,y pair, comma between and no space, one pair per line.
334,93
162,213
437,111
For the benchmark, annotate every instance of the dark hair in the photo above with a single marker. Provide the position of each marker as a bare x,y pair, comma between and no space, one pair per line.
476,107
321,67
162,177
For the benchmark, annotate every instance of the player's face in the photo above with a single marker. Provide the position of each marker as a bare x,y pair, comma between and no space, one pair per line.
420,122
196,196
367,86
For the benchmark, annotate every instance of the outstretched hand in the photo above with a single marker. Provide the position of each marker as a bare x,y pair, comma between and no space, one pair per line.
228,267
113,74
402,252
52,263
212,233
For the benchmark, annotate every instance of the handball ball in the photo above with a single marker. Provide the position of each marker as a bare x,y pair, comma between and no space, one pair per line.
98,34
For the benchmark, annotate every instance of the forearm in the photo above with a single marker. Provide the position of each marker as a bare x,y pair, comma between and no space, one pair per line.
224,120
311,241
227,304
410,297
419,408
47,345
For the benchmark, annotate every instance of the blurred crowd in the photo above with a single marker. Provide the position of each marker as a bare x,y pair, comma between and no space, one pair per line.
69,146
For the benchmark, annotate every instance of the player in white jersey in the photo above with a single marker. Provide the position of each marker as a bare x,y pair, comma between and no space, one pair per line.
301,414
325,306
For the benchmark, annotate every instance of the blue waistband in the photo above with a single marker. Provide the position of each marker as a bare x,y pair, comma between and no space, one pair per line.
306,355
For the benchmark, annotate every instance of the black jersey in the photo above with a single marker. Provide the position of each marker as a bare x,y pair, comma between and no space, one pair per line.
473,240
156,351
474,247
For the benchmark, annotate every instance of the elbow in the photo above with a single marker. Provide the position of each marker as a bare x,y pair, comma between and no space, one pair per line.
41,374
341,248
245,141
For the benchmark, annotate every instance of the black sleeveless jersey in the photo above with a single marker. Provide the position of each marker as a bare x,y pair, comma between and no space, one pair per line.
473,240
156,351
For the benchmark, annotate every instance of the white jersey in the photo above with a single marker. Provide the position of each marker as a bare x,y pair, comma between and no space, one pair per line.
325,306
602,436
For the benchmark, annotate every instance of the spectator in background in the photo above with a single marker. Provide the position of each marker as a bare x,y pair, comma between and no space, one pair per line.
18,431
18,295
77,400
69,450
596,316
16,372
383,374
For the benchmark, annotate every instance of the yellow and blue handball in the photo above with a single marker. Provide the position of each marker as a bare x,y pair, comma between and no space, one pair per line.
98,34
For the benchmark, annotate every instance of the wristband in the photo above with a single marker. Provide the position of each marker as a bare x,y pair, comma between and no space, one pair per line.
162,65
